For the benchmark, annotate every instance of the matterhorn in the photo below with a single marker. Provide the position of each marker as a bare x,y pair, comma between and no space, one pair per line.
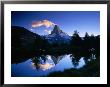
58,36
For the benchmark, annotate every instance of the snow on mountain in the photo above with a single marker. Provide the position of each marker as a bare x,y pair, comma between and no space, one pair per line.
57,35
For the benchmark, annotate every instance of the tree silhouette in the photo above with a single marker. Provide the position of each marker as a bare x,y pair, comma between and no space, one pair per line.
86,43
76,42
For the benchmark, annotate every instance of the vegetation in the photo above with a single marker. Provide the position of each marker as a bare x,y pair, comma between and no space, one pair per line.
35,46
91,69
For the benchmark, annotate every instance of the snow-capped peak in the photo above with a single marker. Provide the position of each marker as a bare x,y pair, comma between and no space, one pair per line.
58,34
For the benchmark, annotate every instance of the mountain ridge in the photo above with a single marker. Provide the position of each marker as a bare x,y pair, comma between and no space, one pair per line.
58,36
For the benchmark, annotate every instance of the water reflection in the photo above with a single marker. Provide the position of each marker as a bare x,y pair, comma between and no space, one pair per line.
42,65
45,62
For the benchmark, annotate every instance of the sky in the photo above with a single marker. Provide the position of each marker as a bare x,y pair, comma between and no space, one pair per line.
68,21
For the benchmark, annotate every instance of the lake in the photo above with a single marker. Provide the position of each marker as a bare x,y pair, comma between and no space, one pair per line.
43,65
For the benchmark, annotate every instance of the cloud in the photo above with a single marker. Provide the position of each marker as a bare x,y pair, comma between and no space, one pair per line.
46,66
48,31
45,23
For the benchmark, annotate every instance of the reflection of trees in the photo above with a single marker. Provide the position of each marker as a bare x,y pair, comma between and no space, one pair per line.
91,67
42,61
75,59
37,60
88,56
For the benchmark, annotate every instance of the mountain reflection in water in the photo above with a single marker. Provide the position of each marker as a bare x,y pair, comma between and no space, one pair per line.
43,65
48,62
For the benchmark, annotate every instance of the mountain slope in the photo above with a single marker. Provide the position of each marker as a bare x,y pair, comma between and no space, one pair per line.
58,36
22,37
22,43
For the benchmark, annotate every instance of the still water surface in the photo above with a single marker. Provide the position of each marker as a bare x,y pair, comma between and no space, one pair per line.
43,65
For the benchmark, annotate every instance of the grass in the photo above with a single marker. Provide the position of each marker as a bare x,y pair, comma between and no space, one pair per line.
91,69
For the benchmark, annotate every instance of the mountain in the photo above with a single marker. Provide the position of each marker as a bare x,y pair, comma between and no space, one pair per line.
56,59
22,42
22,37
58,36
